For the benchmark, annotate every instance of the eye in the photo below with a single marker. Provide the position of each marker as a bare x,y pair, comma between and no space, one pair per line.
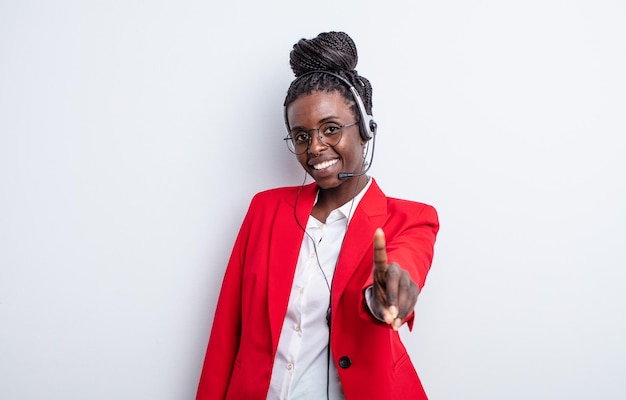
301,137
331,129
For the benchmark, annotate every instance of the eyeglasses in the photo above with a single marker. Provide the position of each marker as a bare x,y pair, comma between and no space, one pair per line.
329,134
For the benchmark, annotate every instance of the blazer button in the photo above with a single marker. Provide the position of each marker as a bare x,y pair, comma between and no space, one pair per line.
345,362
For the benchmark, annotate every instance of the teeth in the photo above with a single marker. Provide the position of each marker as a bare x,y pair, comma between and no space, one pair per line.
325,164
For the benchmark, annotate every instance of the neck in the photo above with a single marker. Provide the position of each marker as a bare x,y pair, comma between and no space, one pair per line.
333,198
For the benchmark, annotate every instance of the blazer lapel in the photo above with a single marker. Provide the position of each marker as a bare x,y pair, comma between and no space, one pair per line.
370,214
284,247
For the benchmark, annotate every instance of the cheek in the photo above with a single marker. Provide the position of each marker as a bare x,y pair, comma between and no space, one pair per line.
302,159
356,154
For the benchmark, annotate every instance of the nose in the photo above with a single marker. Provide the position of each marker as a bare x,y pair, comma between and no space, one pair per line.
316,146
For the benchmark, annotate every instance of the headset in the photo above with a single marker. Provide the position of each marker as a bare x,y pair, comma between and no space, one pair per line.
366,121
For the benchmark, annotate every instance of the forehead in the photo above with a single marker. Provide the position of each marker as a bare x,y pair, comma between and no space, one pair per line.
317,106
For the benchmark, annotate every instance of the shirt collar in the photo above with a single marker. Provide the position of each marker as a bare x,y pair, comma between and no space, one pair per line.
347,210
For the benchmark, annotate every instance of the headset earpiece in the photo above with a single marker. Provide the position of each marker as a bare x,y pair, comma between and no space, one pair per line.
373,126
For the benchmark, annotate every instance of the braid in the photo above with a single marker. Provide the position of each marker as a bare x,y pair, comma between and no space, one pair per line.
363,86
333,52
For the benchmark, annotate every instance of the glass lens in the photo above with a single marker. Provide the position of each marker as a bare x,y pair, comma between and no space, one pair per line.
330,133
296,148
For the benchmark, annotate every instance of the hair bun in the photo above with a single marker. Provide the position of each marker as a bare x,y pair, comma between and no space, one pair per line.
329,51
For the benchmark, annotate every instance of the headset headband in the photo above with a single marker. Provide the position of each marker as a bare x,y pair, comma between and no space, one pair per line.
367,123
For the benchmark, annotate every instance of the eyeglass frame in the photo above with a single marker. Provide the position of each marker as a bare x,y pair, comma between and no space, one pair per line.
319,136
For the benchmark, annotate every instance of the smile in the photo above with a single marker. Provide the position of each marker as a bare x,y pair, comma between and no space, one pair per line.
325,164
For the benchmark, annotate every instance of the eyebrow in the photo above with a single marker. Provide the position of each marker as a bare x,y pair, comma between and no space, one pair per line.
320,122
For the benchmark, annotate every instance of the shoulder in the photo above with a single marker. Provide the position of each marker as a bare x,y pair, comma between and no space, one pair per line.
281,193
409,205
272,198
412,212
401,206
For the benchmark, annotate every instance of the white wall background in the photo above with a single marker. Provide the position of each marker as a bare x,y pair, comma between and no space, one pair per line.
133,135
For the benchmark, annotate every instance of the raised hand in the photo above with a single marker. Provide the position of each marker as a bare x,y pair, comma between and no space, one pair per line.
395,294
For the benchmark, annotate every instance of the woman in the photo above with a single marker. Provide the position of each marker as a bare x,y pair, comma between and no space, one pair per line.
322,275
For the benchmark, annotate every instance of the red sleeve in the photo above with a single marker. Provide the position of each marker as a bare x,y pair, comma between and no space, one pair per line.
413,247
410,239
226,330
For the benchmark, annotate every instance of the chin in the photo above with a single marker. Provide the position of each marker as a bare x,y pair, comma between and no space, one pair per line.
328,183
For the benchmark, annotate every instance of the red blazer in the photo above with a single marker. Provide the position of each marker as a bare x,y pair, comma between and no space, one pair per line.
370,358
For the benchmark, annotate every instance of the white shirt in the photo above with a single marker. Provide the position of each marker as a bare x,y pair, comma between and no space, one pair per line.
301,366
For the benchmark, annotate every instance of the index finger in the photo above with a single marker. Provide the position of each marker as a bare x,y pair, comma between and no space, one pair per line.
380,251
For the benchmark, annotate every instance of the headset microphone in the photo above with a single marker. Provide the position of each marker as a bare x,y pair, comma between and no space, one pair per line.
347,175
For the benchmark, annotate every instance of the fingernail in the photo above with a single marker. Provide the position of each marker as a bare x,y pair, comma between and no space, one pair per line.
397,323
393,310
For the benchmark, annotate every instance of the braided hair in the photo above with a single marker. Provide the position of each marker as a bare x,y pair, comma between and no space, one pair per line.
333,52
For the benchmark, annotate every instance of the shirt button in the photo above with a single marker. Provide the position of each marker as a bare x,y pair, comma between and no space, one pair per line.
345,362
298,329
289,366
301,290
